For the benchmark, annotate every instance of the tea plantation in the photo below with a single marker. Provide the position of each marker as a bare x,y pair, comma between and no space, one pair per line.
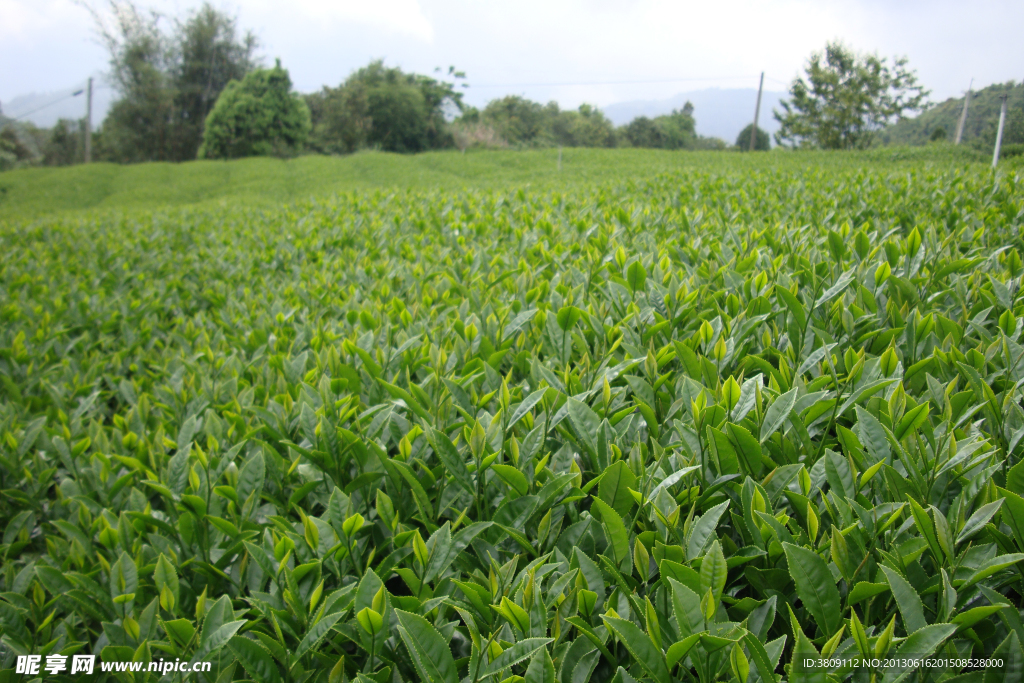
743,423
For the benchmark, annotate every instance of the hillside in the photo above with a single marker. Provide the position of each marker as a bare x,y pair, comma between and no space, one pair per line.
982,118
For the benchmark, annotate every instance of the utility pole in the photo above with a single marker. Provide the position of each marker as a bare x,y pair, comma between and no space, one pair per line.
757,112
88,122
559,159
963,115
999,133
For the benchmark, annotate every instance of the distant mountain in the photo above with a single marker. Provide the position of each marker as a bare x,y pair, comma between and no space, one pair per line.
44,109
720,113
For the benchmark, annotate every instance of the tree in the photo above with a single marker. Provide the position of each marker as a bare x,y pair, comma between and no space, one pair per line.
1013,129
65,144
207,55
678,128
400,119
762,143
384,107
518,120
587,127
846,98
643,132
8,153
340,119
167,82
138,124
668,131
13,150
256,116
21,143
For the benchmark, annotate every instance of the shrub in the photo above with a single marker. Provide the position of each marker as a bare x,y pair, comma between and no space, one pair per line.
256,116
762,143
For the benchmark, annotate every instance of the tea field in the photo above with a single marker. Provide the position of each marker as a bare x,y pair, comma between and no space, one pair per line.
703,423
269,183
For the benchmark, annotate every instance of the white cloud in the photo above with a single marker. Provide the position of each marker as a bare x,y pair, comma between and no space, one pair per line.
585,43
396,17
22,21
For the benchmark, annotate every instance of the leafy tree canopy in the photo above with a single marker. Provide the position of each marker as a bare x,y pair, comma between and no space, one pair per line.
678,128
384,107
167,80
13,151
521,121
845,98
65,145
256,116
585,127
762,141
208,54
643,132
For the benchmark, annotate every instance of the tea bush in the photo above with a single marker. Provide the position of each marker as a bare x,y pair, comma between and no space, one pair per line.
700,427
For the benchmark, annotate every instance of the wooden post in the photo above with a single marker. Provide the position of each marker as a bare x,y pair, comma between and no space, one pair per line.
999,133
757,111
559,159
963,115
88,122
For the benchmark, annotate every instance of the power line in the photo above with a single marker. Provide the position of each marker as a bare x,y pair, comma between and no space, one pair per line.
48,104
60,99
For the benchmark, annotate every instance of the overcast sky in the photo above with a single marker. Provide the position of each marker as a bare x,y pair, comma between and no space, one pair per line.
572,51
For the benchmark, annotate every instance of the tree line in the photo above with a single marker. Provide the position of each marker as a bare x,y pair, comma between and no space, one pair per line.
198,90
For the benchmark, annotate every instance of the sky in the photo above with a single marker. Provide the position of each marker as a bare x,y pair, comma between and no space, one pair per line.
571,51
